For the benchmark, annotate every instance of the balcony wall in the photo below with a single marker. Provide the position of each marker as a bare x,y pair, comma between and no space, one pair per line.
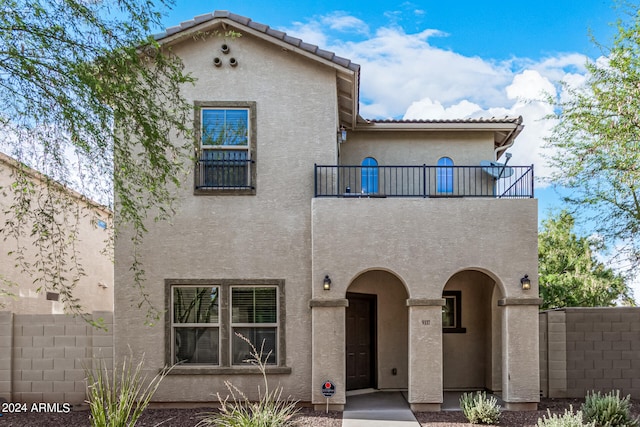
425,241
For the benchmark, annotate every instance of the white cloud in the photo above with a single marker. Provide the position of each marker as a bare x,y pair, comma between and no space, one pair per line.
341,21
427,108
404,76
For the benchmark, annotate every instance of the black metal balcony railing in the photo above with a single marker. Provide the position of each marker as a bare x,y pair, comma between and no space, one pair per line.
423,181
227,174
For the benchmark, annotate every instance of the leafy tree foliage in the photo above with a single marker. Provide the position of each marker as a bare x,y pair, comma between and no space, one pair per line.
570,274
83,80
597,141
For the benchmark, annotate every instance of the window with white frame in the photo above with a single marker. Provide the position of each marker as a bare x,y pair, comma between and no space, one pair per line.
227,145
195,325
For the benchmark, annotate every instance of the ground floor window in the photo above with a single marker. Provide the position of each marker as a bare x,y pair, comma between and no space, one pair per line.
452,312
210,323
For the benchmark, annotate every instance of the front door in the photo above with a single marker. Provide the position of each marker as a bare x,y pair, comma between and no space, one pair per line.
360,342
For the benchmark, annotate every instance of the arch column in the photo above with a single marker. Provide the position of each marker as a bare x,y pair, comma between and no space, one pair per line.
520,349
425,354
328,358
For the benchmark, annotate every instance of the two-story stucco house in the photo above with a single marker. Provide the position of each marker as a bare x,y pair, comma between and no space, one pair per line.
375,254
84,227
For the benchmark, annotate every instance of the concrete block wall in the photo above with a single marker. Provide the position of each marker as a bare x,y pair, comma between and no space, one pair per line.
602,350
48,354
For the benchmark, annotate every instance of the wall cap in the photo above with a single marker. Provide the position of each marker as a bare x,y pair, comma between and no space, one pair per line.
520,301
342,302
416,302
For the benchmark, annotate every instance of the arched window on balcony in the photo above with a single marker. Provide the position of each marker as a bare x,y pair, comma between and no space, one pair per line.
369,175
445,175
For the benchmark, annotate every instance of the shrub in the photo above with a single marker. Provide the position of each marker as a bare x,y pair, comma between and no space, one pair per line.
568,419
479,409
118,399
236,410
608,410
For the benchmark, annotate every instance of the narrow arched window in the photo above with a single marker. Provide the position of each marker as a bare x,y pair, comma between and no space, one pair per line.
369,175
445,175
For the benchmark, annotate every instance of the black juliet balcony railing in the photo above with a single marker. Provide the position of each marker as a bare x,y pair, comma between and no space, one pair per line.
423,181
225,174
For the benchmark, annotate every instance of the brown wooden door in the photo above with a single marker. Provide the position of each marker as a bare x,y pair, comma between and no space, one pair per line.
360,341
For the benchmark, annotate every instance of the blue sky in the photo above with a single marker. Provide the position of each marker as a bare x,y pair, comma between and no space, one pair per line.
489,29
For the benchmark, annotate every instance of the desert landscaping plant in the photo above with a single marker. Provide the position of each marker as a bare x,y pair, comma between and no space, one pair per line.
479,409
118,398
568,419
608,410
236,410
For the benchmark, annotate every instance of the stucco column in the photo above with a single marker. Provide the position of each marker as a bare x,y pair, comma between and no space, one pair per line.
520,349
328,358
425,354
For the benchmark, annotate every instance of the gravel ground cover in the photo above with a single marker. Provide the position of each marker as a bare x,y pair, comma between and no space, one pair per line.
306,417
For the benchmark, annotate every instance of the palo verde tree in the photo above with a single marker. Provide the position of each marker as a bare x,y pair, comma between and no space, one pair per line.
596,142
83,87
570,275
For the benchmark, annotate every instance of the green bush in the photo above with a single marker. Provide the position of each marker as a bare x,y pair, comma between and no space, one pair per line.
479,409
236,410
608,410
568,419
117,399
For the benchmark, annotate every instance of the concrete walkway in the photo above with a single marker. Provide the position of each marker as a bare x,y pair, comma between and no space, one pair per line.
378,409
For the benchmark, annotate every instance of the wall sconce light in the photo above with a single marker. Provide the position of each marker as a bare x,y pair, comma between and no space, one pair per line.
342,134
327,283
525,282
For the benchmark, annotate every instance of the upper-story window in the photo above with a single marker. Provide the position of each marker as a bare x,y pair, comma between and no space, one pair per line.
445,175
226,160
369,176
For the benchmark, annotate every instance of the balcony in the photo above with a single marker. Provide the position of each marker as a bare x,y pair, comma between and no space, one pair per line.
423,181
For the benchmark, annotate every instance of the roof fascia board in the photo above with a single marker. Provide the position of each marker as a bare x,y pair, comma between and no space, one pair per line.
429,127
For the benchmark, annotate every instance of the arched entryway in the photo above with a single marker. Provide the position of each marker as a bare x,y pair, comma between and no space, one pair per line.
471,333
376,338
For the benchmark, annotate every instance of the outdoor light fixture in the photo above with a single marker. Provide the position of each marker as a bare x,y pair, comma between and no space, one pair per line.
326,283
525,282
342,135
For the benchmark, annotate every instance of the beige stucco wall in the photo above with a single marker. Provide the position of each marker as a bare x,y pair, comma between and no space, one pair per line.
424,242
417,147
266,236
91,243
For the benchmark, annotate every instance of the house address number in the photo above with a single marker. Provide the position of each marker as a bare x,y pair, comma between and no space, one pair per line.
426,322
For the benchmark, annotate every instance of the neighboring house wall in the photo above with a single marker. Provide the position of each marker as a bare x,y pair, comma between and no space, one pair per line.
590,349
44,358
94,288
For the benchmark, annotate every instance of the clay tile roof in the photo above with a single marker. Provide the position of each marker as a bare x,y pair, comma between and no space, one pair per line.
265,29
